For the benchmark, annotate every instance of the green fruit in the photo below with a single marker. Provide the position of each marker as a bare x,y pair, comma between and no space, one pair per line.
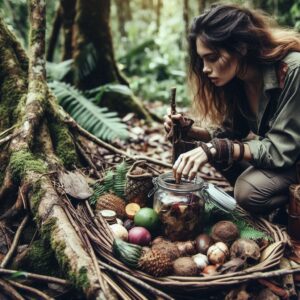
147,217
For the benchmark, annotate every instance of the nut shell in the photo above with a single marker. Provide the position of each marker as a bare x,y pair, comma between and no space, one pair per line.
218,253
245,249
185,266
202,243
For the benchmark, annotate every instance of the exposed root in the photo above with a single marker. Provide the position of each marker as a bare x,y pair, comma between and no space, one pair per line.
7,186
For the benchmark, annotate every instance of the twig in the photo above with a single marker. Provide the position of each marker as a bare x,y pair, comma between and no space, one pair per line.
89,161
7,130
111,148
137,281
31,290
8,138
39,277
274,288
9,290
14,244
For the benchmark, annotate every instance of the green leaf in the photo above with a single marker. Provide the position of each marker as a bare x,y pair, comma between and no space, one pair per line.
97,120
17,275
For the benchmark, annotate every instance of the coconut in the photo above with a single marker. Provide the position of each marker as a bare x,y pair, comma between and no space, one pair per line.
185,266
225,231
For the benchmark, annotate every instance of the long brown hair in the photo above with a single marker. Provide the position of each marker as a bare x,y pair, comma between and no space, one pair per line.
233,28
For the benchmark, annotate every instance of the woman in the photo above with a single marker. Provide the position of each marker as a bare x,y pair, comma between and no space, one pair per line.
246,76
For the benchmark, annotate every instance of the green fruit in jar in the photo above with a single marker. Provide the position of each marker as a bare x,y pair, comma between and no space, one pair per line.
147,217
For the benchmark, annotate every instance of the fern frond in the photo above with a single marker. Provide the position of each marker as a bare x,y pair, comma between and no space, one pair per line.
97,120
87,61
58,71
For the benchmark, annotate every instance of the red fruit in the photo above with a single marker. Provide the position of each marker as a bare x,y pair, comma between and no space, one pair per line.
139,236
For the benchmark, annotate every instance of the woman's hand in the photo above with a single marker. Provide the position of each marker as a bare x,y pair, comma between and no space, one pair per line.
189,163
169,121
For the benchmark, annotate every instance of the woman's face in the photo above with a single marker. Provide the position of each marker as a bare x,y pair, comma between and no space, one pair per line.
220,67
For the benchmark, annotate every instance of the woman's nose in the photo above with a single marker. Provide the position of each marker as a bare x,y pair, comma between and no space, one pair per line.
207,70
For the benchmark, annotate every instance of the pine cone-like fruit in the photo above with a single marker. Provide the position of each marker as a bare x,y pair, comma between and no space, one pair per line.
156,263
168,247
113,202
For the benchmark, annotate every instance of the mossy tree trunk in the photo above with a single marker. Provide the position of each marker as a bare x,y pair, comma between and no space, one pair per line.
37,144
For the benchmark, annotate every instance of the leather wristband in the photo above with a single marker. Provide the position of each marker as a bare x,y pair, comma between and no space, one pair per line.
224,150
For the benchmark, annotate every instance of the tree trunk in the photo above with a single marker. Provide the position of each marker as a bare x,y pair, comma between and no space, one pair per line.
124,14
93,37
186,16
202,4
55,33
39,146
158,13
68,12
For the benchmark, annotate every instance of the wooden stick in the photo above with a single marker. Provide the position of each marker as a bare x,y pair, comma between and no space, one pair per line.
274,288
30,290
14,244
137,281
10,291
88,160
36,277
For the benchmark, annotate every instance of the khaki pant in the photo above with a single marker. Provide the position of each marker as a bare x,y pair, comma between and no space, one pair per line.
260,191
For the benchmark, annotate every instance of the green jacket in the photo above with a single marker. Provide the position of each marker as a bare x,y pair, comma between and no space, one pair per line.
277,124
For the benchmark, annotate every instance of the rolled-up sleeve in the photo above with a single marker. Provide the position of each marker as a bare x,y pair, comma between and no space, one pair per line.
280,147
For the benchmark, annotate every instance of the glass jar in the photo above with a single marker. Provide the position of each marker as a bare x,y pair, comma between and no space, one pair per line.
180,207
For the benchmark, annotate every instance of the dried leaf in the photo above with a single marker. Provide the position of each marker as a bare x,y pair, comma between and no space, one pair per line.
75,185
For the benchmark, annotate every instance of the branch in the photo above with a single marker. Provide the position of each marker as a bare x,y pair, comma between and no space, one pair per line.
9,290
39,277
31,290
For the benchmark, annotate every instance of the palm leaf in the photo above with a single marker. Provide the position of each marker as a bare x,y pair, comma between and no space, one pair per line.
97,120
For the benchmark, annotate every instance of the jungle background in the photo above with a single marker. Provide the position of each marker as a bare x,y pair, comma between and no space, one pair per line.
110,65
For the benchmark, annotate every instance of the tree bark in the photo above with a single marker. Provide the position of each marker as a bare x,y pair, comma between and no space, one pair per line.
55,33
186,16
68,12
93,29
124,14
158,13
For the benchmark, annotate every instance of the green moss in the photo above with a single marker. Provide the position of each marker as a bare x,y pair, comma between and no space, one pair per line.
40,259
37,194
80,279
23,161
63,144
47,228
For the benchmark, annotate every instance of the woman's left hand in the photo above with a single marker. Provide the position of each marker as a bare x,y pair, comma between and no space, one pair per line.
187,164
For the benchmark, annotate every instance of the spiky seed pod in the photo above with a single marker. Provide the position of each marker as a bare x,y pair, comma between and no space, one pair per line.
168,247
156,263
113,202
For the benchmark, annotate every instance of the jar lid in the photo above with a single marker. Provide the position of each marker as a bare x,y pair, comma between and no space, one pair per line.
168,182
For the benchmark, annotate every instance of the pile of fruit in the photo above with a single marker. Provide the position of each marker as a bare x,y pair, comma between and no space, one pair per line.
138,243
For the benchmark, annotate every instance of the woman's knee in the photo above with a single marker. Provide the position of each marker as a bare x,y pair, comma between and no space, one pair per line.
242,193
